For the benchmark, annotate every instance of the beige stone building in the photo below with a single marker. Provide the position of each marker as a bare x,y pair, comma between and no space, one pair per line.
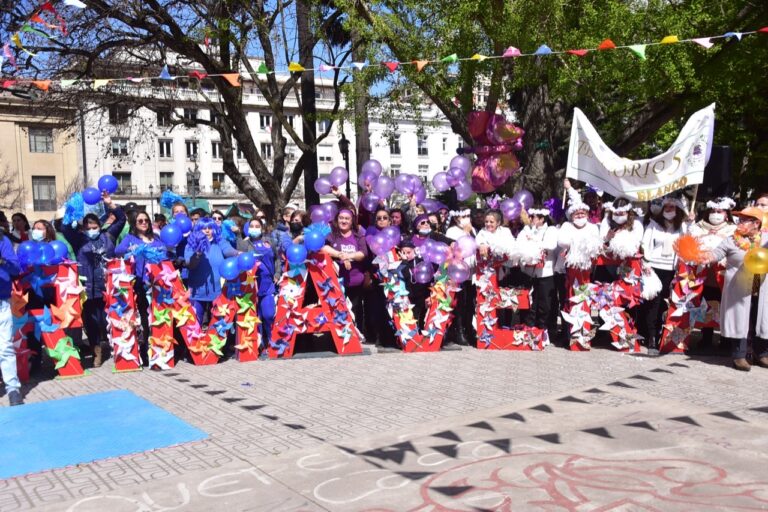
39,159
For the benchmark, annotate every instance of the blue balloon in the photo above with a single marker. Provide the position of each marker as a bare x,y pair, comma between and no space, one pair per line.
47,255
228,269
183,222
60,248
314,240
91,196
171,235
27,250
245,261
108,184
296,254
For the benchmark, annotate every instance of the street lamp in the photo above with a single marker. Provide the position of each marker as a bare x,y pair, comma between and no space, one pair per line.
193,178
344,148
152,200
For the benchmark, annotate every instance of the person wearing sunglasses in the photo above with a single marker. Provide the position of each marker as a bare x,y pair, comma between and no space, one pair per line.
377,323
135,247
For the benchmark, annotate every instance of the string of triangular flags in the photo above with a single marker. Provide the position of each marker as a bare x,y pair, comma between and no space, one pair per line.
294,67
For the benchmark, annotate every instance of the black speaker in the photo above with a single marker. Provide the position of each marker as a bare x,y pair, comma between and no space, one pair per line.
717,174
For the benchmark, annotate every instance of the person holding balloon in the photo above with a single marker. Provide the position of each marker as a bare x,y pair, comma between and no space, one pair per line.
204,254
141,245
348,248
382,239
746,261
264,252
417,275
93,248
9,269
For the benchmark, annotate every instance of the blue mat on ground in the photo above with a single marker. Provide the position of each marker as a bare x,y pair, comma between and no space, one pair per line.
47,435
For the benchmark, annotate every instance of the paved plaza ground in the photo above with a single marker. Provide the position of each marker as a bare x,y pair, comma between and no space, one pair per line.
464,430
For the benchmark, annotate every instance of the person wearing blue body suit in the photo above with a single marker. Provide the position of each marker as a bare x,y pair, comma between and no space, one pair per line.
266,254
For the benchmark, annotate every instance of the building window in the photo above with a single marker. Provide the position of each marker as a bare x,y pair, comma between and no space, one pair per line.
445,144
190,114
289,120
216,118
166,148
422,147
394,145
240,155
324,125
265,121
216,150
123,182
191,147
266,150
119,146
460,143
41,140
166,181
218,180
118,114
394,169
164,117
423,171
43,193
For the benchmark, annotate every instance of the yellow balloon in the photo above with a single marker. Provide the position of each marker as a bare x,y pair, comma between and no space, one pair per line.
756,260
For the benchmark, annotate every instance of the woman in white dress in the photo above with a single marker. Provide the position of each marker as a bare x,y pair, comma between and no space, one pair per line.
738,288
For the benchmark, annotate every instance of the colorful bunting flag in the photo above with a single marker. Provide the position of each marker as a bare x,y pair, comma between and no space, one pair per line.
543,50
511,52
164,74
232,78
391,65
197,75
359,65
102,82
607,44
43,85
262,69
478,57
66,84
450,59
420,64
737,35
669,40
295,67
75,3
639,50
579,53
705,42
326,67
764,30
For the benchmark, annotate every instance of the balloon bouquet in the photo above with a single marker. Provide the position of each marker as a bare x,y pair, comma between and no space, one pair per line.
496,141
457,176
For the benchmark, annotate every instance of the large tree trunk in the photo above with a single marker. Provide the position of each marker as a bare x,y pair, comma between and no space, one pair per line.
308,110
362,133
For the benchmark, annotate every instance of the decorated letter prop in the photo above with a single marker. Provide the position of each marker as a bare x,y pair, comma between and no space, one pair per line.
611,300
687,308
48,323
490,298
332,314
245,315
439,314
122,315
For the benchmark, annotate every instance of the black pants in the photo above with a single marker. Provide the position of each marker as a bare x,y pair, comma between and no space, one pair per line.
707,333
142,306
377,320
544,294
95,321
512,278
355,295
561,300
650,313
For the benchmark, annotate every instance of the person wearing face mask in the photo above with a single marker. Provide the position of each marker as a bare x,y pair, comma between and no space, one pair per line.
379,331
739,286
93,248
460,330
622,235
347,247
654,210
299,220
536,245
257,241
658,252
715,225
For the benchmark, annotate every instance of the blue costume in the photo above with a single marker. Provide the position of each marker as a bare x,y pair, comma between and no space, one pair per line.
265,276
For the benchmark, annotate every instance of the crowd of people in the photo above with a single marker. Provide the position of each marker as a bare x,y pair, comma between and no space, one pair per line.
540,250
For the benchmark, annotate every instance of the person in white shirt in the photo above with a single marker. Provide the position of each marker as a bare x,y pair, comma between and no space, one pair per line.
622,234
579,241
658,251
495,240
536,245
715,225
460,226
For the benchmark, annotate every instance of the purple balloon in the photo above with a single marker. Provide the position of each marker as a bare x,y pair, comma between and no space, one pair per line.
338,176
457,173
523,197
372,166
370,202
392,233
402,183
440,182
507,204
367,178
329,210
461,162
463,191
452,182
512,212
423,272
323,185
458,272
316,213
384,187
466,246
439,253
431,205
420,195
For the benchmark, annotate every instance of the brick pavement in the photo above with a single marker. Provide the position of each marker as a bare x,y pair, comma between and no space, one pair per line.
305,407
